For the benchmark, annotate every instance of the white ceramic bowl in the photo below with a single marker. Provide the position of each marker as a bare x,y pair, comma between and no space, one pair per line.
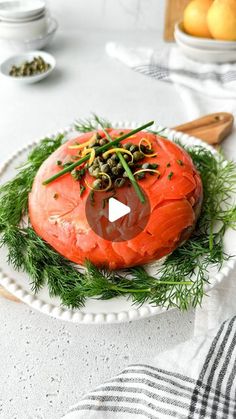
19,59
17,45
206,55
17,9
23,19
23,30
206,43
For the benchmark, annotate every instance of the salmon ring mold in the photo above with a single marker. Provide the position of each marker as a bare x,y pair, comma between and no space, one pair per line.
76,224
175,283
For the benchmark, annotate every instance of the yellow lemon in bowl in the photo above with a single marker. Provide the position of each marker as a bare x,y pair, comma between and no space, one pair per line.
221,19
195,18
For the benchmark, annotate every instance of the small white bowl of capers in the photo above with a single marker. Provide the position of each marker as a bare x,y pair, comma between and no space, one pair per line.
27,68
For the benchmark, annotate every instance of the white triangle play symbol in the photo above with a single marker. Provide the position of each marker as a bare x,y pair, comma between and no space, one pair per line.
116,209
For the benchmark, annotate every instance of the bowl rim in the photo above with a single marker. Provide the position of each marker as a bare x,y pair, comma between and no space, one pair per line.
198,49
8,20
201,40
7,12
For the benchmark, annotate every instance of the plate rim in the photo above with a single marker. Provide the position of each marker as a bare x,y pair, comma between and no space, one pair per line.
77,316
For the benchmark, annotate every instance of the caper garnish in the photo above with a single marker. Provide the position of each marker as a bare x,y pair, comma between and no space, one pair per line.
91,170
133,148
115,170
105,168
146,166
102,142
28,68
126,157
153,165
127,146
97,184
111,162
114,157
95,172
137,155
140,175
119,182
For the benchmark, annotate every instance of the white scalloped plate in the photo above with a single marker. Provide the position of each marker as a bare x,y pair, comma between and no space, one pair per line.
117,310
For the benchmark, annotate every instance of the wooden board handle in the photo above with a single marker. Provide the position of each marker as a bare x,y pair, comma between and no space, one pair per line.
210,128
173,14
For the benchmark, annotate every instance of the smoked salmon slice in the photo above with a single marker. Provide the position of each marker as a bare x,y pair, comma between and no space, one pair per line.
57,211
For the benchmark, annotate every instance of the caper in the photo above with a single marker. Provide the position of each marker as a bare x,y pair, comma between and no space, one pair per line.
111,162
105,168
91,170
97,184
28,68
119,182
146,166
140,175
114,157
115,171
96,160
154,165
102,142
133,148
119,166
127,146
126,157
95,172
138,155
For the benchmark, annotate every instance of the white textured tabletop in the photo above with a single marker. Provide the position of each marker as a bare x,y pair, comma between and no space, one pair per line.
48,364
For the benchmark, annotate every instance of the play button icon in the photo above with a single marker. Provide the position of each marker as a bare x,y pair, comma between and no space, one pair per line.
117,215
116,210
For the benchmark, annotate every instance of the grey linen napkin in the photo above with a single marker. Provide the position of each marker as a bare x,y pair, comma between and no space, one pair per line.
169,64
194,380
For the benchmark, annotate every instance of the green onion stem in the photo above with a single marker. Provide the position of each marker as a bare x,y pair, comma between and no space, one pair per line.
98,151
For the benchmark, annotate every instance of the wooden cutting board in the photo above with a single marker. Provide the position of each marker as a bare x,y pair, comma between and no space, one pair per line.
212,129
173,14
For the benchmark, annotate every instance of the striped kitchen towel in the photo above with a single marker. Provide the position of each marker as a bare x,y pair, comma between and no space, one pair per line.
197,379
169,64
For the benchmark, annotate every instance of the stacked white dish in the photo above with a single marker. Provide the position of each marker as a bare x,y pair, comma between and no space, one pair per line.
25,24
204,49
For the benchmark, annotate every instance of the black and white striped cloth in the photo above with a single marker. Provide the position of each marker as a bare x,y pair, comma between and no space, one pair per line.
197,379
216,80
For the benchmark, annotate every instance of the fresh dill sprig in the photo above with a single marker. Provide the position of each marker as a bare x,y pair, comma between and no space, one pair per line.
179,281
14,194
91,124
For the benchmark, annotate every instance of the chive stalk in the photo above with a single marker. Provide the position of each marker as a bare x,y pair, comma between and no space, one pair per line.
126,167
98,151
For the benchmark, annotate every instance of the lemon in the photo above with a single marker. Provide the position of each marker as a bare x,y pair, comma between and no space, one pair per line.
195,18
221,19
